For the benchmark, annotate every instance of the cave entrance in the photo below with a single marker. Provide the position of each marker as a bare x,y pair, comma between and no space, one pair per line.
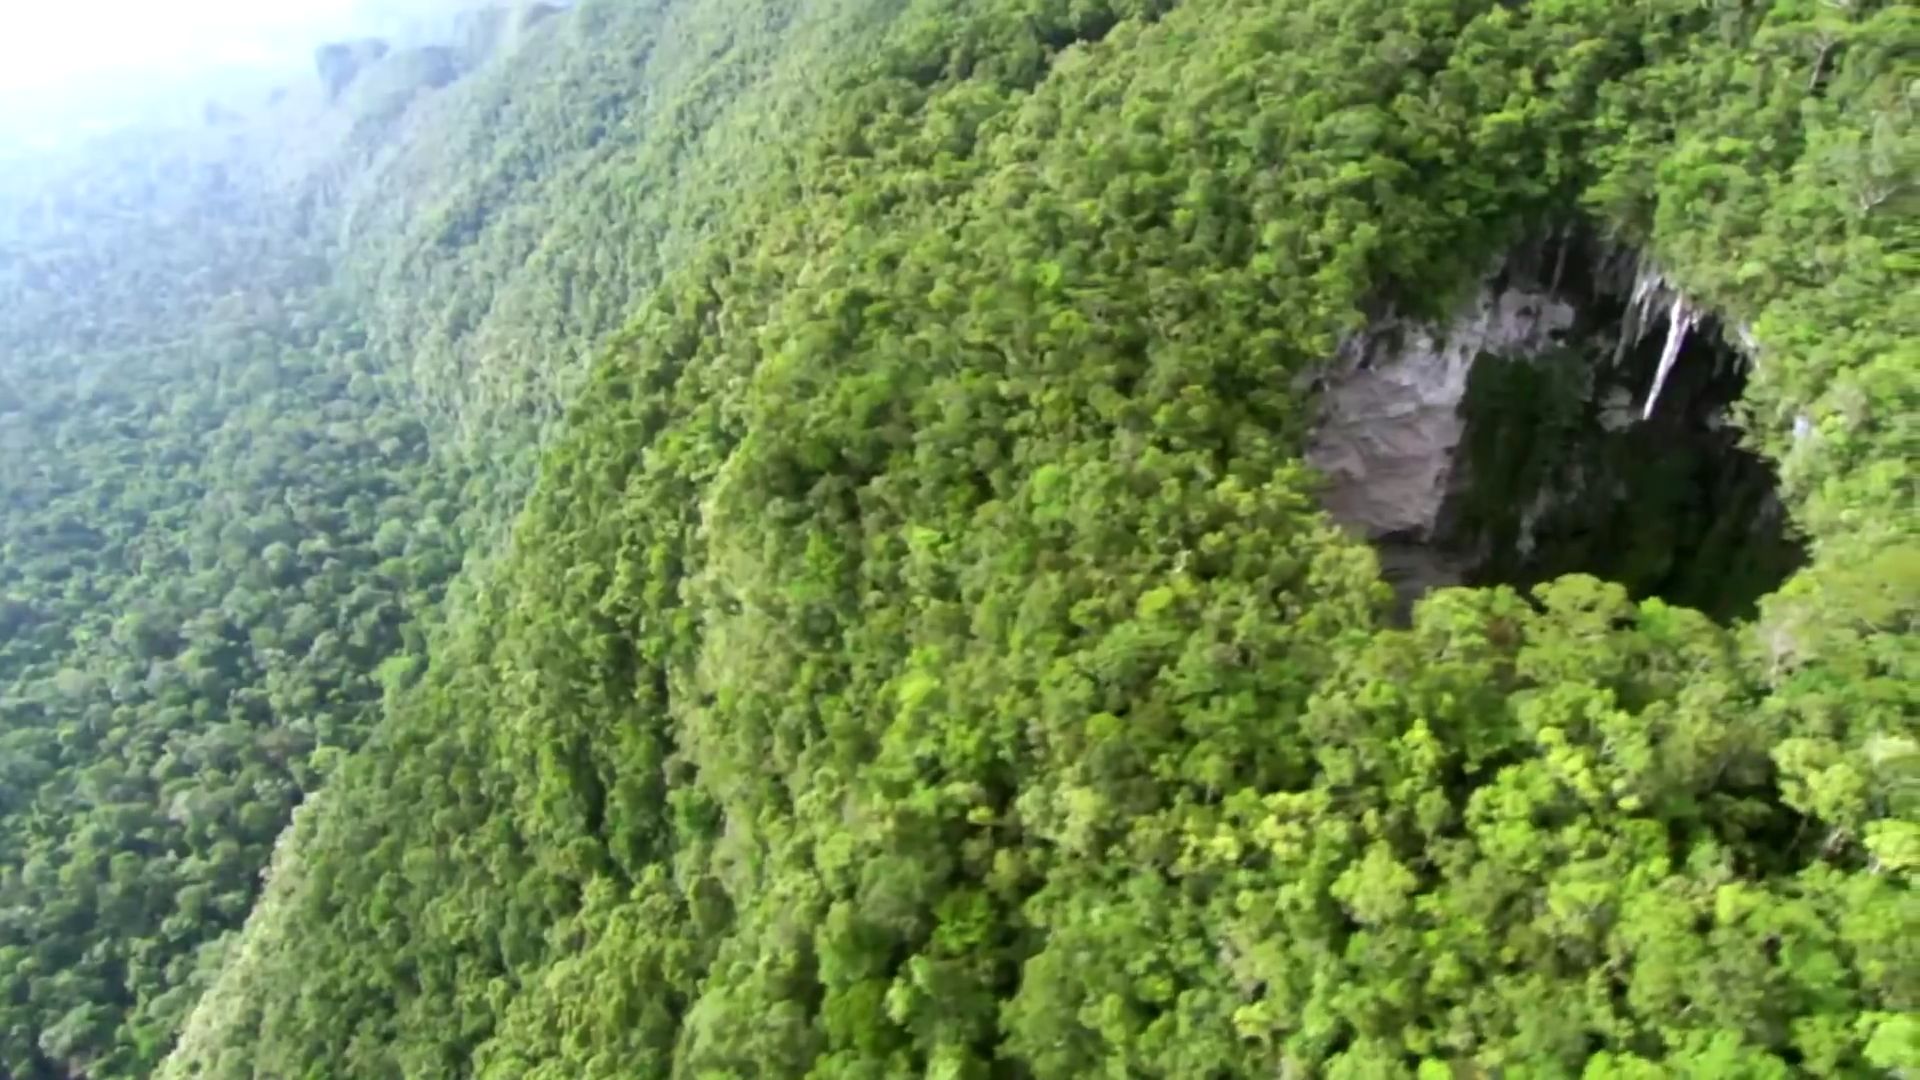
1563,467
1514,443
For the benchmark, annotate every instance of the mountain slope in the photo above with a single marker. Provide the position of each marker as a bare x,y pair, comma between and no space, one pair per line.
217,525
922,650
246,375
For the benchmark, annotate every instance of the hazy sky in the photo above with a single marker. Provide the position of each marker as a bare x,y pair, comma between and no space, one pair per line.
89,63
49,43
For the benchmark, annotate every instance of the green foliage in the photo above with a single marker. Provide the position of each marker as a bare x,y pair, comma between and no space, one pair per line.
196,601
226,514
921,652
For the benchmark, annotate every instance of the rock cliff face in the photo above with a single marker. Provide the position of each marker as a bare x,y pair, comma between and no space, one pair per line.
533,14
1391,416
1575,414
340,62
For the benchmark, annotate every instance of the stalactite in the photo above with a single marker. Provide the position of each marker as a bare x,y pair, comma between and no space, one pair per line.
1653,292
1650,292
1680,320
1564,245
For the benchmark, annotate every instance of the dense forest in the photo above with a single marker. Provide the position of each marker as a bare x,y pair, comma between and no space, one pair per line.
734,538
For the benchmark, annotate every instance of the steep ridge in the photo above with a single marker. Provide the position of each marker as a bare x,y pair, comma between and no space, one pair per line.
923,650
243,379
216,526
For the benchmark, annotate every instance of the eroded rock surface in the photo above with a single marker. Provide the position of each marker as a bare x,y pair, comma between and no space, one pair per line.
1390,419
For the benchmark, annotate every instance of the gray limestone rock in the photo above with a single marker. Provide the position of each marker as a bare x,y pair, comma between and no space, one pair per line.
1390,417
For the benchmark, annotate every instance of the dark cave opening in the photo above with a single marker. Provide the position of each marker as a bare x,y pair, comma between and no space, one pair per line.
1512,442
1559,472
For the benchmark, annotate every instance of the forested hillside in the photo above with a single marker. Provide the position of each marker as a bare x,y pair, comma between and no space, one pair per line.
774,540
237,477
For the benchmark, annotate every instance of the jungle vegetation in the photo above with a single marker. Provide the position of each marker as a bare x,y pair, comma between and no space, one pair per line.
735,538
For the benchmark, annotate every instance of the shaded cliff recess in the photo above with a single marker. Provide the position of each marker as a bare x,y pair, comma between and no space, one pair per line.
1576,415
